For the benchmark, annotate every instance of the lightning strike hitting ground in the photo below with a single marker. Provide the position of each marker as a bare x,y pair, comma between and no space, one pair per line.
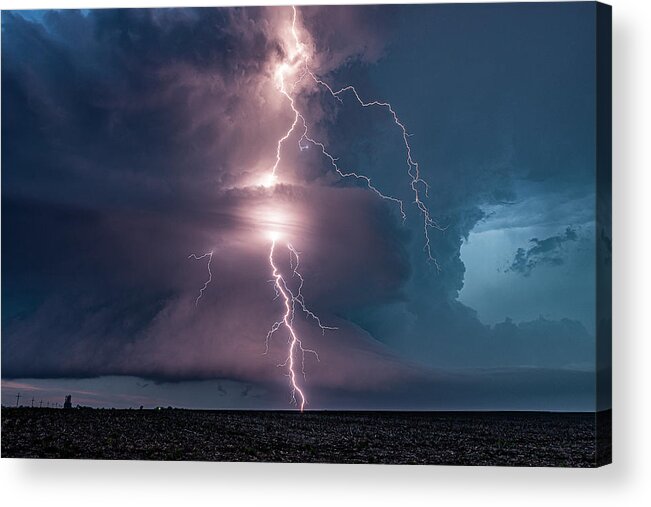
290,299
295,64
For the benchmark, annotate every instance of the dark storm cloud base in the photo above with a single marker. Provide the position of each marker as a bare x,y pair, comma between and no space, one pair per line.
442,438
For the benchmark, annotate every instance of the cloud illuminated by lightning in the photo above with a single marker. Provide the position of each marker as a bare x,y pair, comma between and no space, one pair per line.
299,59
288,75
297,62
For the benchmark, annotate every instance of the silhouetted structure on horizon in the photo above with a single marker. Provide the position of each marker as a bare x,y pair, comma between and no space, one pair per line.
68,402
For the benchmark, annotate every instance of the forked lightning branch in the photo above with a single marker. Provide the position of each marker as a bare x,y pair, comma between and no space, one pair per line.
289,75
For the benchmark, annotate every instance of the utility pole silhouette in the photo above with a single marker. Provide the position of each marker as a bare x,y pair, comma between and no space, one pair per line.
32,402
17,398
40,404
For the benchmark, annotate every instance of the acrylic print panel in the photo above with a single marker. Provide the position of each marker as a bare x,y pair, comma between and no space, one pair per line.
355,234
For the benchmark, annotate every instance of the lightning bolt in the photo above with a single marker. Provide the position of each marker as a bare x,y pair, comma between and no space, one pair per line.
417,184
289,290
205,285
292,298
298,117
298,60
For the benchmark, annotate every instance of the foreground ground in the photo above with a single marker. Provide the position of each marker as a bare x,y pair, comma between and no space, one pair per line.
475,438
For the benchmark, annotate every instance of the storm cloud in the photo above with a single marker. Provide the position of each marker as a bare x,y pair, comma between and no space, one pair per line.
133,138
548,251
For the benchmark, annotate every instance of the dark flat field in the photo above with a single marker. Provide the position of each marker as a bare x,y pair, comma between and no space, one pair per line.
437,438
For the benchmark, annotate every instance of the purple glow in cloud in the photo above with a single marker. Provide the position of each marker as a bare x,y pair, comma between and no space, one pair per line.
289,75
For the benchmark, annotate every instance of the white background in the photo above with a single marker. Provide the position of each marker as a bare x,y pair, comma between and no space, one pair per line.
626,482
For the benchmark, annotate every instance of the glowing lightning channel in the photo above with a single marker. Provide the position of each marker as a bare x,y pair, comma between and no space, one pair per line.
290,300
417,183
298,59
205,285
369,183
413,168
298,298
282,69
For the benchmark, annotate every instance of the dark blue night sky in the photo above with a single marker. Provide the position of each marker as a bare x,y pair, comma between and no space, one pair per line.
133,138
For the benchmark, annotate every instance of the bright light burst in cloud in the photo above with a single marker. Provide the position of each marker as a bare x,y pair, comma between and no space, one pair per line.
154,158
289,75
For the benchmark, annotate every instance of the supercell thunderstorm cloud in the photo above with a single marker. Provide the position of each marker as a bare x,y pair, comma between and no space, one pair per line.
300,207
294,69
